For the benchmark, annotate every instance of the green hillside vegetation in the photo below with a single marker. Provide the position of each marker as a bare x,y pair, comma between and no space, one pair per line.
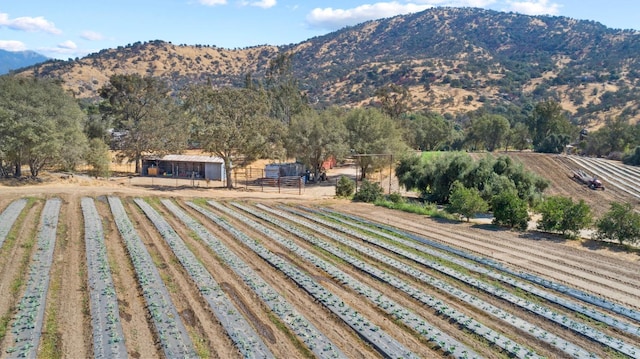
450,61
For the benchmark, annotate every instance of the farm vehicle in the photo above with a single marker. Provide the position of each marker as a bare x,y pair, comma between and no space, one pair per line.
591,181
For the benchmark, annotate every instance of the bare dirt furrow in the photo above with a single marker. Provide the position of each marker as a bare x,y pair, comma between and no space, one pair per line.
485,243
368,310
493,321
72,311
15,257
365,278
326,322
134,316
184,294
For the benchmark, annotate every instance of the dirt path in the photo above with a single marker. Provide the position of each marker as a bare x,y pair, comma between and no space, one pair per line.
69,271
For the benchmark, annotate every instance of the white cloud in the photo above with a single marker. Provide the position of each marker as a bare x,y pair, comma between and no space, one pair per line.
265,4
68,45
29,24
91,35
12,45
534,7
212,2
333,19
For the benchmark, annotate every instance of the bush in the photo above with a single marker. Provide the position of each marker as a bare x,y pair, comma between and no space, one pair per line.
620,224
396,197
369,192
633,158
562,215
509,210
465,201
345,187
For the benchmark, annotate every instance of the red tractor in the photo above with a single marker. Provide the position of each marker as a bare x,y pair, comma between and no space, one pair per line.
591,181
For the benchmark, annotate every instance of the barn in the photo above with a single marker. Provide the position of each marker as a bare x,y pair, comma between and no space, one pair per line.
184,166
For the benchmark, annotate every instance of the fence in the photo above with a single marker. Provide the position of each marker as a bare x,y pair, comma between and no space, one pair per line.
254,179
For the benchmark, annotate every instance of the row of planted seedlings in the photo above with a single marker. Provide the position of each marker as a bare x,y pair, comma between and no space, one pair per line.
171,332
108,338
28,321
315,340
433,334
381,341
243,335
491,310
572,305
9,216
589,298
585,330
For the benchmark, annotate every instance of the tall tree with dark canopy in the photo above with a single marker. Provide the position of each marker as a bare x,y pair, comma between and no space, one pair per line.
371,132
142,109
40,125
286,99
314,136
548,119
231,123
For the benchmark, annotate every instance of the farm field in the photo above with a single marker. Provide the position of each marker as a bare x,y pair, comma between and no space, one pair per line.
158,276
102,269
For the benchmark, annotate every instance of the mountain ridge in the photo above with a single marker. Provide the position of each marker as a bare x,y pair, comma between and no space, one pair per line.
451,60
15,60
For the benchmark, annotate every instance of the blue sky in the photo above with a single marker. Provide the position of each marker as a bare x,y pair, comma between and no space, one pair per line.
67,29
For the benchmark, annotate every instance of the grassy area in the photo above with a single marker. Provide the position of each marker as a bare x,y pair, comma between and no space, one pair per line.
417,207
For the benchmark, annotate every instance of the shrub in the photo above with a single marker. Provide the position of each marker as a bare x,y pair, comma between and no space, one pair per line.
633,158
396,197
345,187
562,215
620,224
509,210
369,192
465,201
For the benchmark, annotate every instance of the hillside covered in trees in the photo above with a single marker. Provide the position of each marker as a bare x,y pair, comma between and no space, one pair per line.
446,60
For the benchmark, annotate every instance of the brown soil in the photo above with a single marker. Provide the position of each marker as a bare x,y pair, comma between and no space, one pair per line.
594,267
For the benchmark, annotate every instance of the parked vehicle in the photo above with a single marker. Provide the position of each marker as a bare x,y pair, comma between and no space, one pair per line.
591,181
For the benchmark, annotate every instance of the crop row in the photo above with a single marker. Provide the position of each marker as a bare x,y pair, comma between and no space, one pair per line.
410,319
468,322
243,335
621,177
380,340
317,342
572,292
558,318
28,321
170,330
108,338
569,304
9,216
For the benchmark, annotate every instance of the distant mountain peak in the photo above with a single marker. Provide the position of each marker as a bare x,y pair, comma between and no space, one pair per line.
14,60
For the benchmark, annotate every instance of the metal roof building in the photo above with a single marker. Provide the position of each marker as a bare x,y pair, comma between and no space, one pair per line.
184,166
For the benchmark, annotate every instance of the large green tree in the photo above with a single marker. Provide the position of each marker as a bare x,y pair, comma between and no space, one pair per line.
621,223
429,131
488,131
465,201
143,110
370,132
549,119
562,215
315,136
231,123
394,100
40,125
285,98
